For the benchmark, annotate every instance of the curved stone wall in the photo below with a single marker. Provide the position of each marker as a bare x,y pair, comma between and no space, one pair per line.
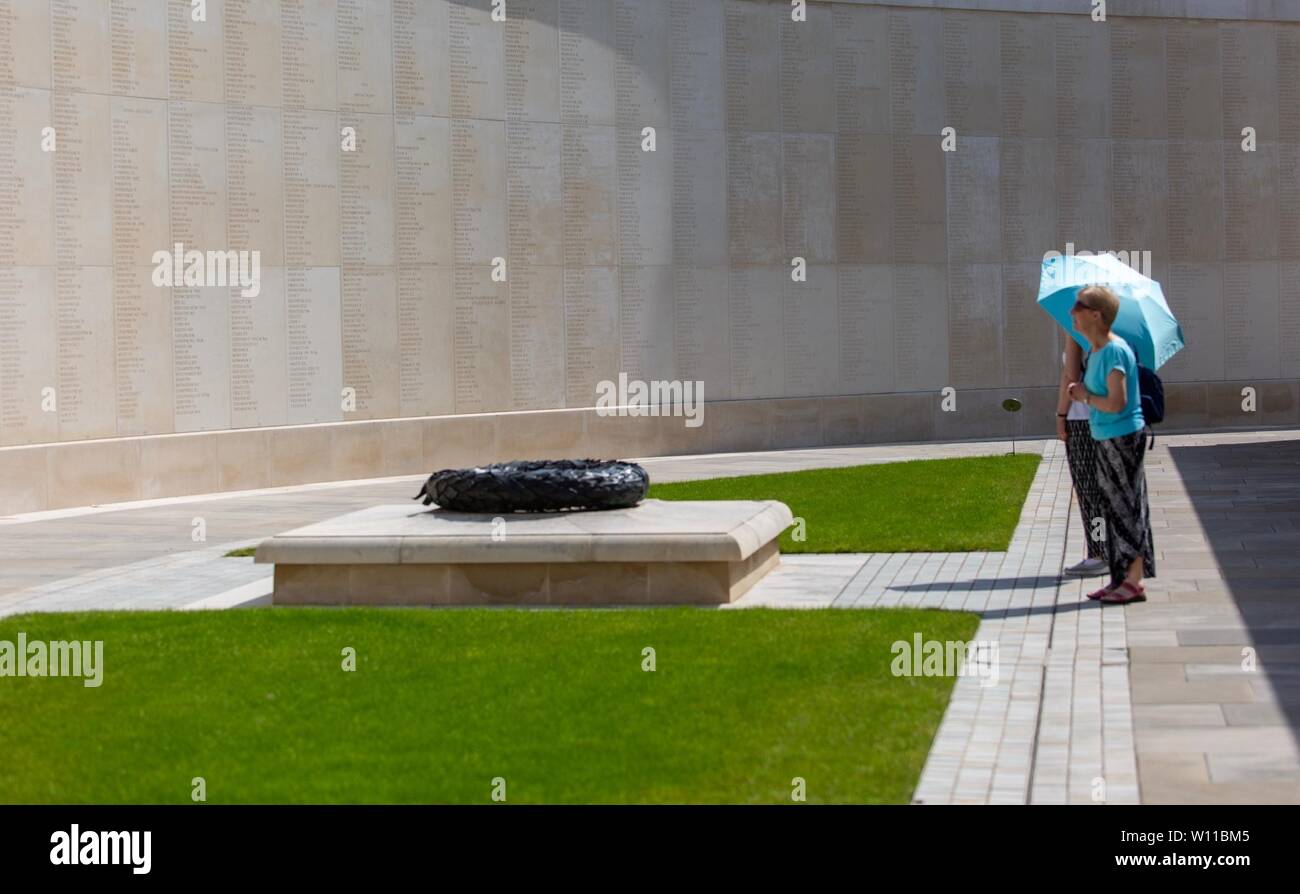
455,229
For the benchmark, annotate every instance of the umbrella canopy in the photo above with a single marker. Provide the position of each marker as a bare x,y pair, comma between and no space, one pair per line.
1144,320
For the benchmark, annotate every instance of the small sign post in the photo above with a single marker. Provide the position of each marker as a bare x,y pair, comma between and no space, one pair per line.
1013,405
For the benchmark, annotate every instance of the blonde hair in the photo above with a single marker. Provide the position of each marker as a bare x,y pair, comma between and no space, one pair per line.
1102,300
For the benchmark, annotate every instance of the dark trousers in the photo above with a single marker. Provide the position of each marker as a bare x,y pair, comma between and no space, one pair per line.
1081,451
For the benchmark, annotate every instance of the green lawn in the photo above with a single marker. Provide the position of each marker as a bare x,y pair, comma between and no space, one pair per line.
933,505
441,702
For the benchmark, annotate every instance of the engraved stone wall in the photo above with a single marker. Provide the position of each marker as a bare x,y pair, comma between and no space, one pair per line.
385,158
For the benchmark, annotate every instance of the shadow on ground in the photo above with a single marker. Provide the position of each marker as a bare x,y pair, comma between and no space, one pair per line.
1247,500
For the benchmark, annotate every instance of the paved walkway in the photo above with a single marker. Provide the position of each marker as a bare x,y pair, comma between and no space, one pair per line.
1090,706
1216,651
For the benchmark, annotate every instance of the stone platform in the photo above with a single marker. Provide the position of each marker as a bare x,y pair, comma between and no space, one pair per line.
658,553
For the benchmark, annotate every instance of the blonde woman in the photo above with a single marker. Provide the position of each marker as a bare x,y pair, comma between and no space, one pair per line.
1110,390
1081,450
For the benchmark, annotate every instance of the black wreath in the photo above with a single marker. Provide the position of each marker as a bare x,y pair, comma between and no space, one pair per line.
538,486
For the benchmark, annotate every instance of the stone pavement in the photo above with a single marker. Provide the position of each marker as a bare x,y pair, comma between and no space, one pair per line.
1216,651
1090,705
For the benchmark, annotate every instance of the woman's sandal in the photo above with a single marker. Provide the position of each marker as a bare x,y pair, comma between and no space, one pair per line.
1098,594
1124,594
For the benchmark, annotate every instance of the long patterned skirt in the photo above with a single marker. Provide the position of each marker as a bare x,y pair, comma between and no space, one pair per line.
1081,451
1123,484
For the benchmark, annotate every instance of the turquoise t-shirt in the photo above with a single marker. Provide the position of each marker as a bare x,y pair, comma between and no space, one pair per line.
1115,354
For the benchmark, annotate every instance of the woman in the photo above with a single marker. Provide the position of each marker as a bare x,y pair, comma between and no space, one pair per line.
1110,390
1080,449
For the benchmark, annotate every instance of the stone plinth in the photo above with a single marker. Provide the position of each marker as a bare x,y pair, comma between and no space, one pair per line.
658,553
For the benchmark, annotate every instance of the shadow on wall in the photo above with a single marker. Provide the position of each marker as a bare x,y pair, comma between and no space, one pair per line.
1247,501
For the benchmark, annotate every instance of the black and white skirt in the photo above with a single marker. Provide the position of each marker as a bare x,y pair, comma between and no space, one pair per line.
1081,451
1122,482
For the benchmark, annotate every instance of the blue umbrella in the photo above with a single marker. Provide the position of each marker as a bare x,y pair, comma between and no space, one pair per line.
1144,320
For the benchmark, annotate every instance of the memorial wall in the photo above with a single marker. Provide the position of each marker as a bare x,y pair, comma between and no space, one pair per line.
441,214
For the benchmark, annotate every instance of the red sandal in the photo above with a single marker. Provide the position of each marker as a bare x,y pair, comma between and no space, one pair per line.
1124,594
1098,594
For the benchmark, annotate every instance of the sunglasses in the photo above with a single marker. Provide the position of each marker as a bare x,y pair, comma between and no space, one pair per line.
1079,305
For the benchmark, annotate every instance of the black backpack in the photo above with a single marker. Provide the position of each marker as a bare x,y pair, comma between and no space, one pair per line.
1151,390
1153,395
